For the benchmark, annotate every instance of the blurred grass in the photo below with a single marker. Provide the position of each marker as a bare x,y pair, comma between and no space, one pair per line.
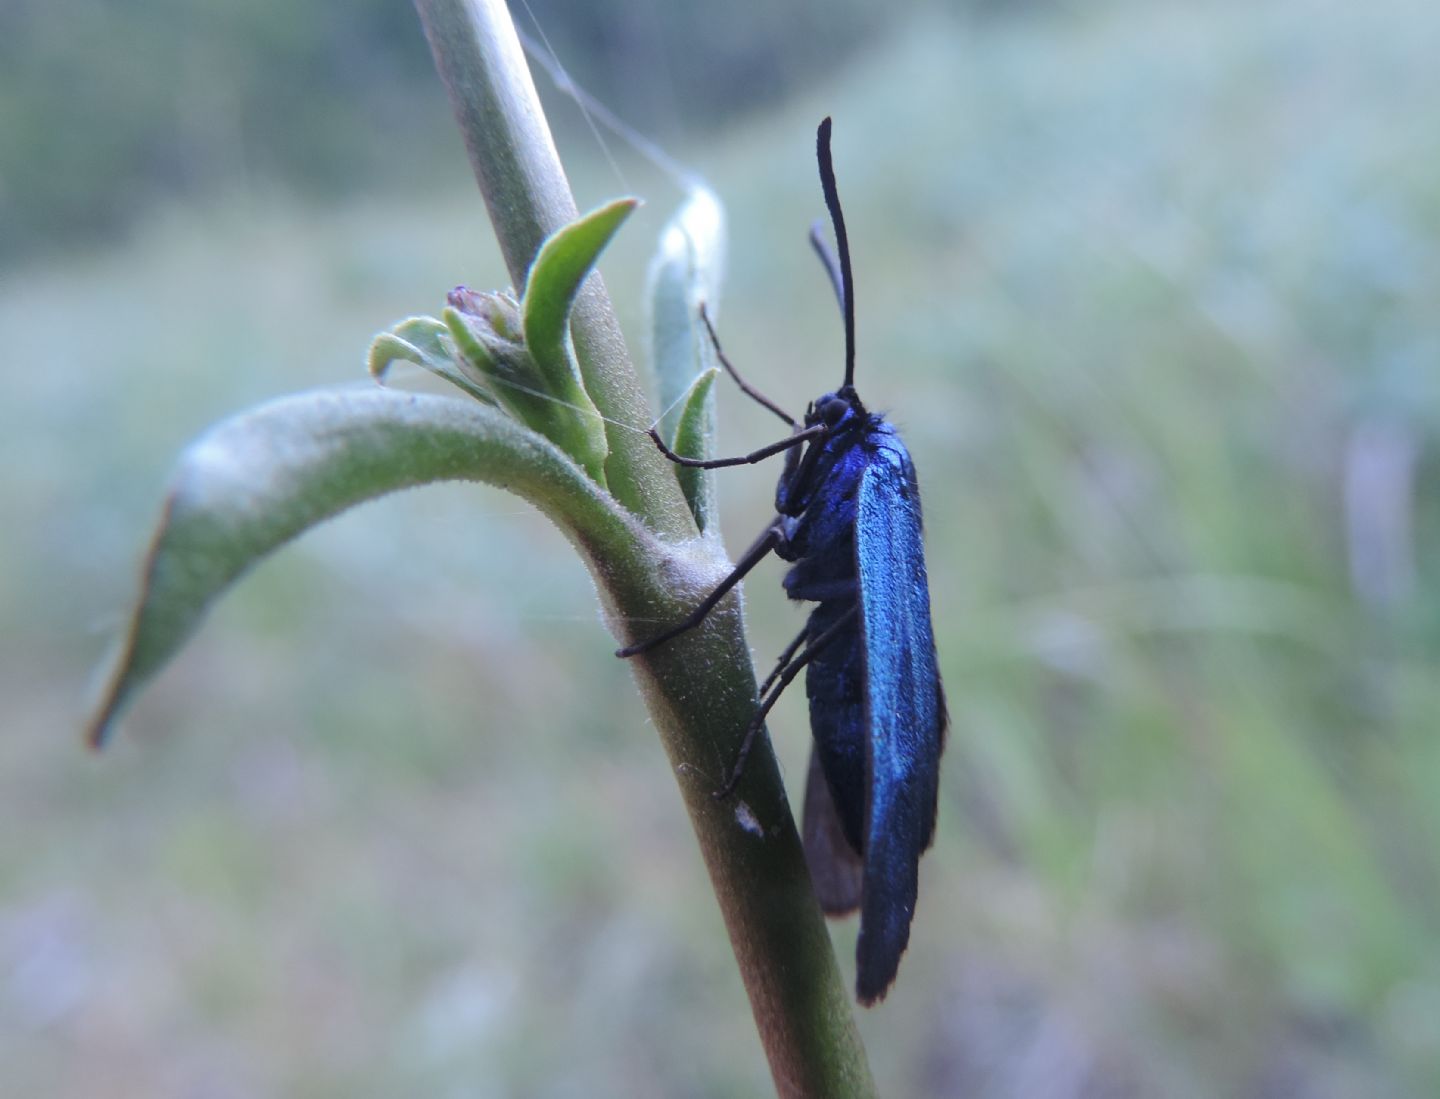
1139,283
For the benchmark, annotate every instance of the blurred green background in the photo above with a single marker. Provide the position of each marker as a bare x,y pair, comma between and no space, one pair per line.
1152,289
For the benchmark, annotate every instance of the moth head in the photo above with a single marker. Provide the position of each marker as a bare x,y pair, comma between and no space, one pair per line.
834,409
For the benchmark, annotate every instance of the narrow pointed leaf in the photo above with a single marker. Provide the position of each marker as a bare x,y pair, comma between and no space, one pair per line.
561,266
687,270
256,481
694,436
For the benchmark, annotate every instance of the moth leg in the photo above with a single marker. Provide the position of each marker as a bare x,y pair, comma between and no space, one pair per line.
782,678
745,387
834,589
745,459
771,537
779,668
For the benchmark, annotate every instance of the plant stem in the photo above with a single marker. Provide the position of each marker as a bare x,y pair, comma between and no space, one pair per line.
528,197
700,689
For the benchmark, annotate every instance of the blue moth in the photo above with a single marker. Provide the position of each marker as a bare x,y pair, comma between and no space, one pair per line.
849,519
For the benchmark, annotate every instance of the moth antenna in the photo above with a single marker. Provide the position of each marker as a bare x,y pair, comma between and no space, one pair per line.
842,244
827,257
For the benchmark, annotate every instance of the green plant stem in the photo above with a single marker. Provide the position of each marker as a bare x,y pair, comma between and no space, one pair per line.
526,192
700,689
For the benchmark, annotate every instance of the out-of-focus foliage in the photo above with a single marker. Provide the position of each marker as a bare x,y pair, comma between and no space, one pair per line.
1150,288
668,66
106,107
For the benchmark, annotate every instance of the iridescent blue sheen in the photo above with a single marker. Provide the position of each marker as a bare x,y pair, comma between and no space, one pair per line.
852,525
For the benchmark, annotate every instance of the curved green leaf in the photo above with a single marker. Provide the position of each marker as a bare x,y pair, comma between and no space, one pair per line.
693,437
423,341
560,267
425,334
256,481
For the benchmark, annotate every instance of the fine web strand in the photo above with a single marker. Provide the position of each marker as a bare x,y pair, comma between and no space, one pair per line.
596,114
548,60
592,411
540,393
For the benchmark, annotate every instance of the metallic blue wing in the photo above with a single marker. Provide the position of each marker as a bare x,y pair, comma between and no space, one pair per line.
905,705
